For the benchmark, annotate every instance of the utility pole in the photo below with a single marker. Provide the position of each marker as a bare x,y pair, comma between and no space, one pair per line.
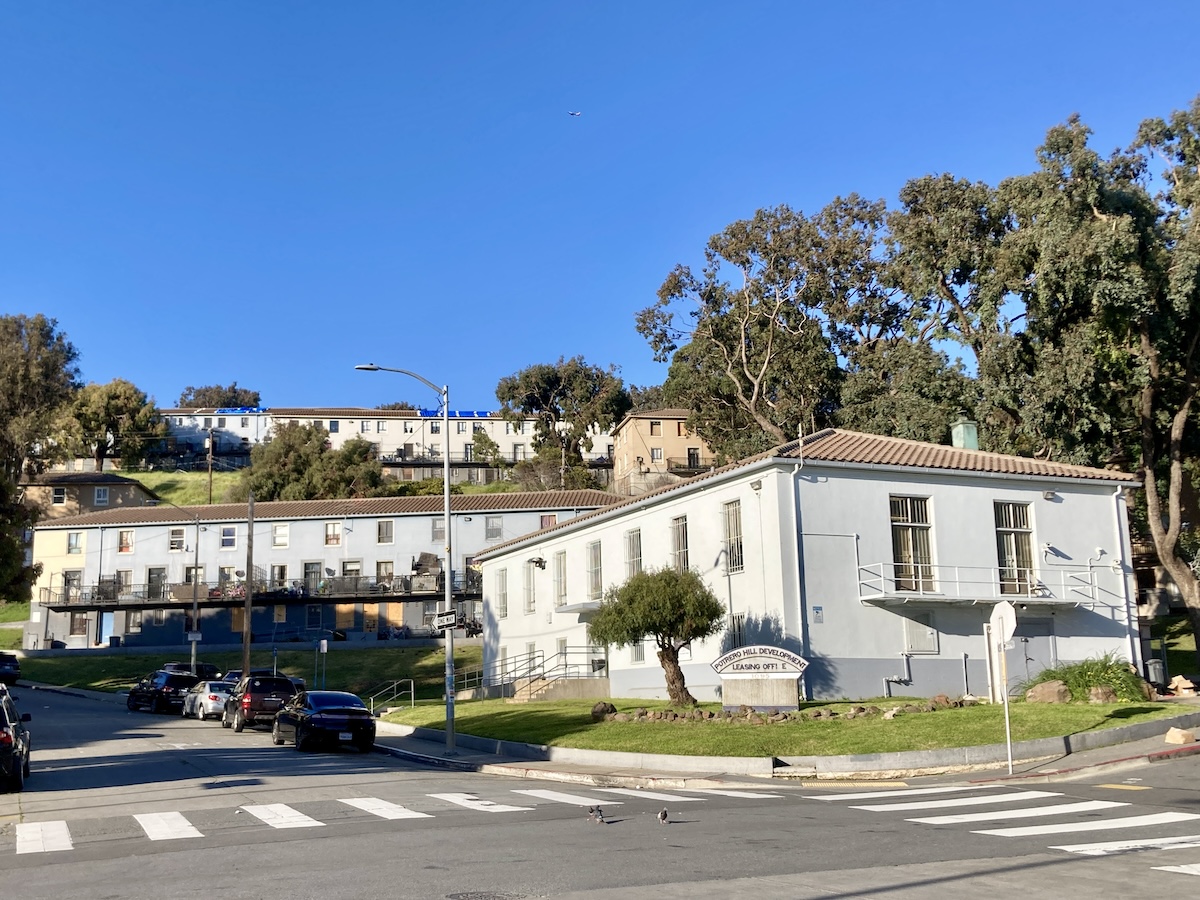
246,618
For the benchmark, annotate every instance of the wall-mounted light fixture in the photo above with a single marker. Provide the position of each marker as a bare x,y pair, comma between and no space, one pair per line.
756,485
466,518
537,561
1049,495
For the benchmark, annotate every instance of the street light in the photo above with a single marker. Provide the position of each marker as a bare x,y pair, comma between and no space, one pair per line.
444,392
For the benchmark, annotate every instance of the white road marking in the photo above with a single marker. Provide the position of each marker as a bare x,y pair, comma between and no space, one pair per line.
166,826
749,795
1028,813
384,809
906,792
1104,825
470,801
1104,848
652,795
1183,870
280,815
958,801
573,799
43,837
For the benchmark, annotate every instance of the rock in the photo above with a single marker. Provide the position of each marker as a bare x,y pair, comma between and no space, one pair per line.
778,717
641,712
601,710
969,701
1048,692
1180,736
621,717
909,708
892,713
873,711
1147,689
1102,693
754,719
941,701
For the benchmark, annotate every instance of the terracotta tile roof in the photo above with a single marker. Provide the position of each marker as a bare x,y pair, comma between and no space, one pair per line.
857,448
325,509
330,412
86,478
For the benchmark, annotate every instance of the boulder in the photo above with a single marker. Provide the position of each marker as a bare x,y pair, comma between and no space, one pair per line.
621,717
1048,692
1180,736
1102,693
602,710
941,701
892,713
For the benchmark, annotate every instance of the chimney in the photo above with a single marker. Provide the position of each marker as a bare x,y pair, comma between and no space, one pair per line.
964,434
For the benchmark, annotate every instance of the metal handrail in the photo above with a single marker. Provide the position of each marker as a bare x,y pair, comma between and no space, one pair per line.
392,690
886,579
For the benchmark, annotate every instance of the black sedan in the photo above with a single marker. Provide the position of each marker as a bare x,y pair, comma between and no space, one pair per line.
327,718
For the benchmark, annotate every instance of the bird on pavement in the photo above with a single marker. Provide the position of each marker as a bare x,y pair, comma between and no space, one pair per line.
662,817
596,814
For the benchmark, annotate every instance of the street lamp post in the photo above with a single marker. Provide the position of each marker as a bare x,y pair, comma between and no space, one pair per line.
448,598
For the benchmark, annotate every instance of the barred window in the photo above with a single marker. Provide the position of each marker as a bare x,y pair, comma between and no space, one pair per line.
733,536
679,544
1014,548
633,552
912,559
560,578
502,594
530,595
595,571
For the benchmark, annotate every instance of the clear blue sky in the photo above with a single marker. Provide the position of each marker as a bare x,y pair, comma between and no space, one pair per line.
272,192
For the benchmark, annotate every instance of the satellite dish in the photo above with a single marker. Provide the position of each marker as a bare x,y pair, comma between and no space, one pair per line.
330,572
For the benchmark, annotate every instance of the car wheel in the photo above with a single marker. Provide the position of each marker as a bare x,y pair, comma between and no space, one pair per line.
225,719
25,766
156,705
276,737
301,739
16,781
239,723
130,702
183,710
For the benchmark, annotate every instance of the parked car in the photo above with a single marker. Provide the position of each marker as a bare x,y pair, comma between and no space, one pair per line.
10,668
160,691
205,699
233,676
255,699
15,743
207,671
327,718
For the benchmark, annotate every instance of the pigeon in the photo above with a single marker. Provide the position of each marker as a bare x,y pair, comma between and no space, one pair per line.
571,113
596,814
662,817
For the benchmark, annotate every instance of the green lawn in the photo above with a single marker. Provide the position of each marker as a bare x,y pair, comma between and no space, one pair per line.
10,638
187,488
14,611
359,671
569,724
1176,634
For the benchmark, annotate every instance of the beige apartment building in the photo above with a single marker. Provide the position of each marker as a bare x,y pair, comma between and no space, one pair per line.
654,448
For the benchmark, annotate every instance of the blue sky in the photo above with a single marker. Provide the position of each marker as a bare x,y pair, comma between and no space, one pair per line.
272,192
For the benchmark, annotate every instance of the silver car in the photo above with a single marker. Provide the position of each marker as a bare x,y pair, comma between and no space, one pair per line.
206,699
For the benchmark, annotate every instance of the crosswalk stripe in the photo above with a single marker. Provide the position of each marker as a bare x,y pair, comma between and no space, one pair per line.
573,799
1184,870
43,837
958,801
1102,825
166,826
650,795
280,815
1104,848
749,795
470,801
992,815
384,809
907,792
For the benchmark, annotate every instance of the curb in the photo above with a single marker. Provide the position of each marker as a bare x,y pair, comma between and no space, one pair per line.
1124,762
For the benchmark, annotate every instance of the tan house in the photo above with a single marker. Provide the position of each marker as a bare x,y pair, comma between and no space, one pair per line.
654,448
58,494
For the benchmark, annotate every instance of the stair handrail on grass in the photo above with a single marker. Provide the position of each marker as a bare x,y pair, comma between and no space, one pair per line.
391,690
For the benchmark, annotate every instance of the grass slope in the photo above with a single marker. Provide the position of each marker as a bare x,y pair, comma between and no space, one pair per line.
187,488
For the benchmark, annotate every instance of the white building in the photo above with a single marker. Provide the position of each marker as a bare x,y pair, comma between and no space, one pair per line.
879,560
409,442
353,566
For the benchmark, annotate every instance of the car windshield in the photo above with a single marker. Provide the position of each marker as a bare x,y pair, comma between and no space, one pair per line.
342,701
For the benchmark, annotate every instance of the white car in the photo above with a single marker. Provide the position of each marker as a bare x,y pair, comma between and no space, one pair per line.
206,699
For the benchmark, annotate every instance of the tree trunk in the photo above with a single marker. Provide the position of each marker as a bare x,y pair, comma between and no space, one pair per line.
676,687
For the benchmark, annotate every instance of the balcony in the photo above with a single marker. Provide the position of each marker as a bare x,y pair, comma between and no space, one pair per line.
690,465
890,584
337,588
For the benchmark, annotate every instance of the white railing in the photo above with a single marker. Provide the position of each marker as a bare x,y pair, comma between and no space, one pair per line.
880,580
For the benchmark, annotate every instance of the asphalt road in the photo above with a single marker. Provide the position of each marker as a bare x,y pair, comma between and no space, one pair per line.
149,806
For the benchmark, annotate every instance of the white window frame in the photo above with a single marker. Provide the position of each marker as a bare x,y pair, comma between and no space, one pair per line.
1014,547
595,569
385,531
74,543
637,652
58,496
279,535
560,578
229,537
679,544
502,593
493,528
530,590
912,543
437,531
125,539
333,534
176,540
731,514
633,552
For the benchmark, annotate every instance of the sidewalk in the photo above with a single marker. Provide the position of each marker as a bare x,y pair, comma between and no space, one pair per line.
1145,745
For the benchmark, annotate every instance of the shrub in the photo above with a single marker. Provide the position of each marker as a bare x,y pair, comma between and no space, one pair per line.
1081,677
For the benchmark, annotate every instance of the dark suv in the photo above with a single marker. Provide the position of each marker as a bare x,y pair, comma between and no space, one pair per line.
161,691
204,671
255,699
10,668
14,743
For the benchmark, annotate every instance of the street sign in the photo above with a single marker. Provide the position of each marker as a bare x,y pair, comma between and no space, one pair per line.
445,620
1003,622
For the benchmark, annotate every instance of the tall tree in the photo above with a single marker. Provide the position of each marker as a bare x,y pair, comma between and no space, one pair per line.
569,401
115,420
399,404
674,608
38,374
216,397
